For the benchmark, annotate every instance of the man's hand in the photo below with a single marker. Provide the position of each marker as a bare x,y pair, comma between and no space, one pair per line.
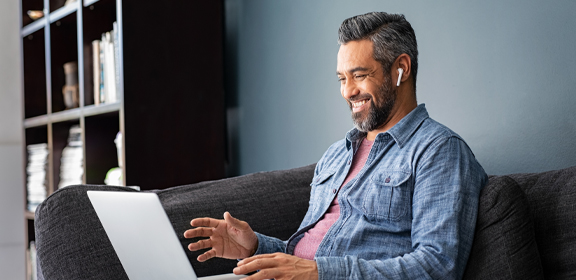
229,238
278,266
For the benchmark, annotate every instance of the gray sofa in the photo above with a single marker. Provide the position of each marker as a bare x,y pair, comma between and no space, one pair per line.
526,225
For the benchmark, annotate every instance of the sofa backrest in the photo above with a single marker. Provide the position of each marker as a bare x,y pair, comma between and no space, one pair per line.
552,200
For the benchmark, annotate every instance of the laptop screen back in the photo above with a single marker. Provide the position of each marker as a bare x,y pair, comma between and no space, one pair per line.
142,235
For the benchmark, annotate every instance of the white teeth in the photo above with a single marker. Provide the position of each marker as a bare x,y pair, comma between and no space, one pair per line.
358,104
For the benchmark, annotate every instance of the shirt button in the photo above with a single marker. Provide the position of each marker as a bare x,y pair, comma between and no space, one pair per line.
349,162
334,190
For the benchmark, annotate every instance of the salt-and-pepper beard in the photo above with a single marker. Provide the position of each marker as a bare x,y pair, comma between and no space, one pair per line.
380,108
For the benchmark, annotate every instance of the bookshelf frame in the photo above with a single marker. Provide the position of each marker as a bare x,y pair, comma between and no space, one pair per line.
169,138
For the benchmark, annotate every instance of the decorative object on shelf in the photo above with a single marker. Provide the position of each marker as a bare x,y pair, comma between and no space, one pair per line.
71,163
35,14
118,142
36,170
70,89
114,175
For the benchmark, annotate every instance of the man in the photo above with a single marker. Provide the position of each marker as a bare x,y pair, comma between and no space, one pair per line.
396,199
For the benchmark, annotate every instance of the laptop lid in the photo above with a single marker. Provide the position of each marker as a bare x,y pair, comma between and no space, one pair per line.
141,235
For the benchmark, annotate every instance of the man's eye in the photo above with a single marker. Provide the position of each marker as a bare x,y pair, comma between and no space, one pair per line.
341,79
360,76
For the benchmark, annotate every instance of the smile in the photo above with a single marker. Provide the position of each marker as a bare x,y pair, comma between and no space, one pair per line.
359,103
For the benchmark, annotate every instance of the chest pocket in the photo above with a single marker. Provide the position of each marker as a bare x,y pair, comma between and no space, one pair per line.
388,196
321,184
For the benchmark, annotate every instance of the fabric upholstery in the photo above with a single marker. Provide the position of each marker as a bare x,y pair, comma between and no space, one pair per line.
70,240
552,199
72,243
515,212
504,244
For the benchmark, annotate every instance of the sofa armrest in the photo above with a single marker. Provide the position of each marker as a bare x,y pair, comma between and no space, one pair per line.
70,240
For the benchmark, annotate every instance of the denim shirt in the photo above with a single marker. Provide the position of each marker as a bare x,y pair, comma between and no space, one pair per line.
410,213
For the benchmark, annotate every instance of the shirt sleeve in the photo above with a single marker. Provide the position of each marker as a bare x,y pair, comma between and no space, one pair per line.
448,180
269,245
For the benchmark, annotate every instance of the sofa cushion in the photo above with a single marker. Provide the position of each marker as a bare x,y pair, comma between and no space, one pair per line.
552,199
504,245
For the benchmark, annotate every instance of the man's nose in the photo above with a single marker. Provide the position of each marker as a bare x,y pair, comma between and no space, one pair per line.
349,90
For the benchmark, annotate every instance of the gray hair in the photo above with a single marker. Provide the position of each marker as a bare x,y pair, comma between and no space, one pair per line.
391,35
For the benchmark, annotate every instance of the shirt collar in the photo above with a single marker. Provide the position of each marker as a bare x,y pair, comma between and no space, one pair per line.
400,132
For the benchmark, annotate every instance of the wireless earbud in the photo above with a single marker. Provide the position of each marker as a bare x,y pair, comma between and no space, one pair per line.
400,71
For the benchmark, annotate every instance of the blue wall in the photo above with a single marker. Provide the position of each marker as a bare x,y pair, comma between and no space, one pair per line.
502,74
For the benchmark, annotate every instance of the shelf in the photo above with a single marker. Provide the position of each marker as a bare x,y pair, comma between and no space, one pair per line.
89,2
36,121
29,215
155,111
63,12
33,27
104,108
72,114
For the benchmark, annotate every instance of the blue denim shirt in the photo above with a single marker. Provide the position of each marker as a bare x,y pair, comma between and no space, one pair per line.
410,213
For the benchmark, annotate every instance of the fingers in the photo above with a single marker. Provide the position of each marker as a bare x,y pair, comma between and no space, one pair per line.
198,232
260,262
204,222
201,244
206,256
241,225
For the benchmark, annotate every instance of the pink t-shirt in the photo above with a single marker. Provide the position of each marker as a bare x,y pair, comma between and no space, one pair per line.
308,245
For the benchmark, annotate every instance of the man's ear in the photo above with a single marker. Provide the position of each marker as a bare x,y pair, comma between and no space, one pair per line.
402,61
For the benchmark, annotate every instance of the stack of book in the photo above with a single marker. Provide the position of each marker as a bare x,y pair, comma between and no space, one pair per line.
36,170
106,63
71,163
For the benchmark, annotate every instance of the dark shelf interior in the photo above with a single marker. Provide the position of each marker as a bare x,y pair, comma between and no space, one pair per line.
34,74
97,19
36,135
57,4
101,152
31,234
30,5
64,49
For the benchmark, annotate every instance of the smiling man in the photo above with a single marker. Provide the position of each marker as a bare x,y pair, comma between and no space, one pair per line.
397,198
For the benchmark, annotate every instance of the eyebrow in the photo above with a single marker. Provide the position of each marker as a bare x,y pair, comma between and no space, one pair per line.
356,69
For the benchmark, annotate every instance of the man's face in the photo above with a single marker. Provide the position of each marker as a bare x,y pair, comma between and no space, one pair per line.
364,85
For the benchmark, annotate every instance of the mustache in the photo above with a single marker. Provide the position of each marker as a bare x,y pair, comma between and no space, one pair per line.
360,97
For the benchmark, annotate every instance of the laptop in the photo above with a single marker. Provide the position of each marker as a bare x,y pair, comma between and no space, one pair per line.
143,237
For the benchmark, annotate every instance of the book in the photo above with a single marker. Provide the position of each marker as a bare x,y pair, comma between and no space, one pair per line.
110,76
102,62
72,160
36,170
116,57
106,67
96,69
